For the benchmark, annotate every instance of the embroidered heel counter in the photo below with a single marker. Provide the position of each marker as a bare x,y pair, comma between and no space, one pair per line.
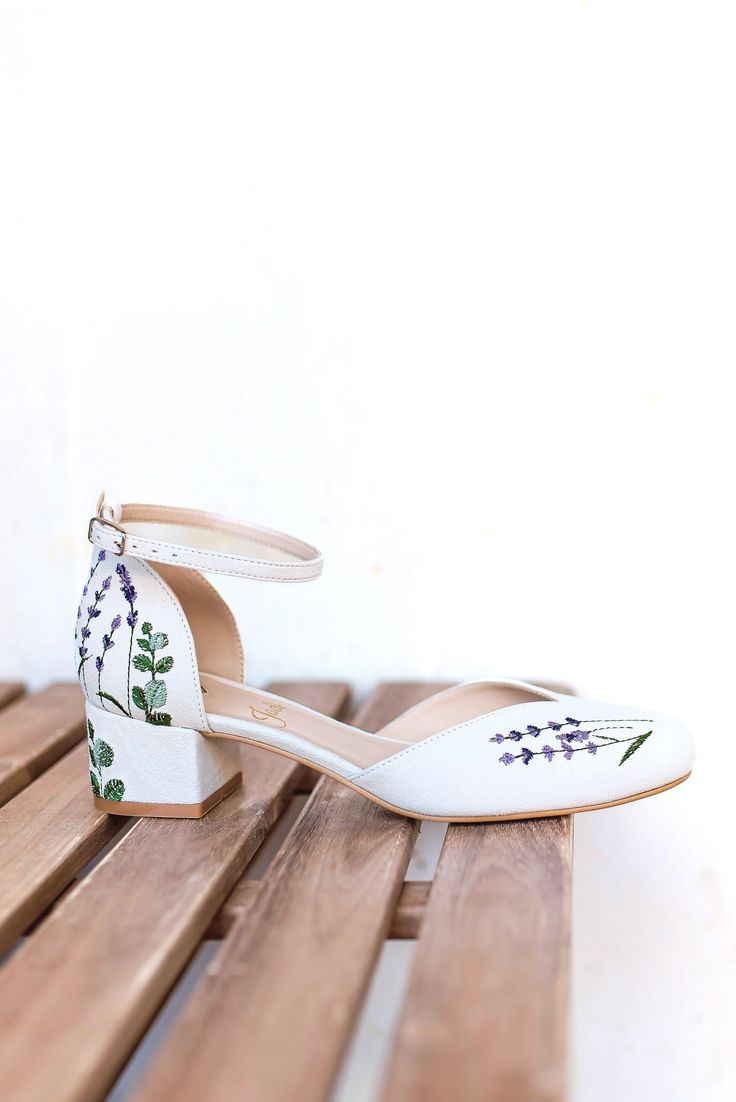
134,651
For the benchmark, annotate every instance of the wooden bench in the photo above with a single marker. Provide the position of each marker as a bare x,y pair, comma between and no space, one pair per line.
100,917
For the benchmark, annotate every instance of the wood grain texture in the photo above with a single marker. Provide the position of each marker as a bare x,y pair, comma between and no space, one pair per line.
270,1018
36,731
10,691
486,1009
405,922
88,981
48,832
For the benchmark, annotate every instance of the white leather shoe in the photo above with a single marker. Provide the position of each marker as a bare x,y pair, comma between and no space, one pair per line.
160,661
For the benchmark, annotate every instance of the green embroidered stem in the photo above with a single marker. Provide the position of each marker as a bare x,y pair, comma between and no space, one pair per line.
130,654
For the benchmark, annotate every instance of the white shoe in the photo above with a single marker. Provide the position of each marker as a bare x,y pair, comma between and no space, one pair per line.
161,664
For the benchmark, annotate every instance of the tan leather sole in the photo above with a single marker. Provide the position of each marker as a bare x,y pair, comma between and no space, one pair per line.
169,811
443,818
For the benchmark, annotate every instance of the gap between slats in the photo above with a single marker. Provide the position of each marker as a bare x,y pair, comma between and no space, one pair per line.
112,949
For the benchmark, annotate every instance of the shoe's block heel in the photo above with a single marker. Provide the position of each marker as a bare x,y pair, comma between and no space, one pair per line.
139,768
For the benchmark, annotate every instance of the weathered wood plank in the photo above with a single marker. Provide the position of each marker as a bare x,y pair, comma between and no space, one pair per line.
109,953
269,1020
405,923
10,691
48,832
486,1010
35,732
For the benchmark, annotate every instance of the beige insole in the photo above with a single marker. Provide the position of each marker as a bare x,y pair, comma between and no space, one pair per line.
447,708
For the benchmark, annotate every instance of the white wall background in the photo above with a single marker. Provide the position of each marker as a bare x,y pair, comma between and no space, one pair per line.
446,288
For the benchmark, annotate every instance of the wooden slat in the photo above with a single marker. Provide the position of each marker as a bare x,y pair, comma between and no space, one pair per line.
486,1010
48,832
405,923
87,982
35,732
10,691
410,909
269,1020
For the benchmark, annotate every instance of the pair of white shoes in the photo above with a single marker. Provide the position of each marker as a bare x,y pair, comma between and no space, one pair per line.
160,661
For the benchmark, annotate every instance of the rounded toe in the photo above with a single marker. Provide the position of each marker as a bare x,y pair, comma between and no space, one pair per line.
674,750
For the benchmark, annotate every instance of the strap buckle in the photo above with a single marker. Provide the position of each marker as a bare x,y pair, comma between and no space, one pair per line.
116,549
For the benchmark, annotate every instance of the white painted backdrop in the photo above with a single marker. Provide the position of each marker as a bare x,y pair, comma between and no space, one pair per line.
448,290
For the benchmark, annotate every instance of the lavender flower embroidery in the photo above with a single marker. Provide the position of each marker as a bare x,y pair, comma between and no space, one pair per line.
150,697
128,591
93,611
101,756
107,643
573,741
100,558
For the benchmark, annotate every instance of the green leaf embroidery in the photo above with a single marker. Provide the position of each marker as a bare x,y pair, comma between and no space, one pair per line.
90,729
114,790
104,755
160,719
95,783
634,746
155,694
152,696
107,696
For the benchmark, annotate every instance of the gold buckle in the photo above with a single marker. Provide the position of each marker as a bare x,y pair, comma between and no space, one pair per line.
117,550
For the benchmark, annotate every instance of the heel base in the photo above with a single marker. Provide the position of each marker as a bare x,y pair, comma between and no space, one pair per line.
169,811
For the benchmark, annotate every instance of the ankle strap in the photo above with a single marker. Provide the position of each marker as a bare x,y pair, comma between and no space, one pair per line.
202,541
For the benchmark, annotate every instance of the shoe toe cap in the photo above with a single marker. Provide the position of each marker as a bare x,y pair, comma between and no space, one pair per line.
673,749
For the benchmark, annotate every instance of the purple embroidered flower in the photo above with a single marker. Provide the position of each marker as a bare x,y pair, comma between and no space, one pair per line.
570,742
86,633
107,583
107,643
131,619
92,612
82,652
126,585
102,556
